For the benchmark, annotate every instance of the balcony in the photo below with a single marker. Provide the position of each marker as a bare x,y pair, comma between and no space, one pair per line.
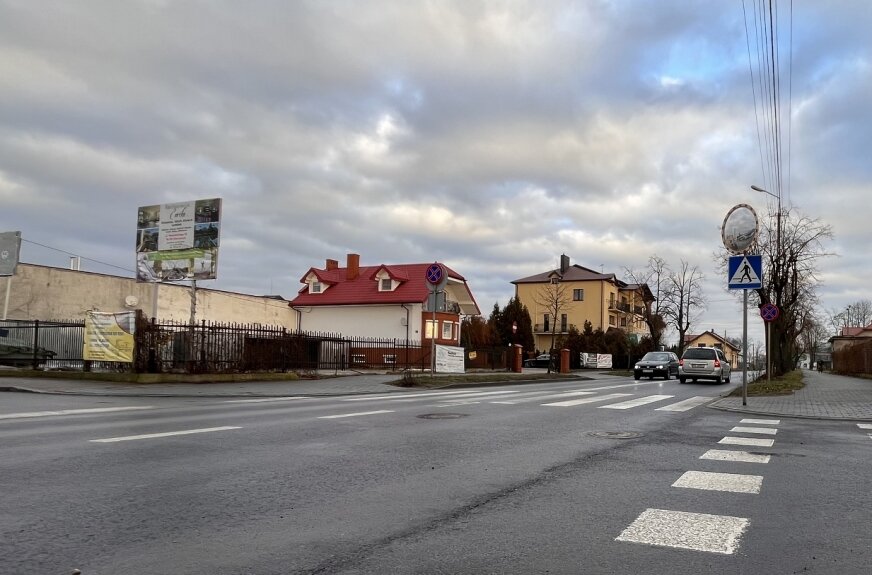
546,328
443,307
626,308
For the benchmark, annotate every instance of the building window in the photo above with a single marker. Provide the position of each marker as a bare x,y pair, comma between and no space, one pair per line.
611,320
316,287
578,295
623,322
447,329
429,329
555,280
546,323
563,323
386,284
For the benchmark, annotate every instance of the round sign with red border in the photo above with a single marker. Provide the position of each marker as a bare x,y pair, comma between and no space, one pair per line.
769,312
434,274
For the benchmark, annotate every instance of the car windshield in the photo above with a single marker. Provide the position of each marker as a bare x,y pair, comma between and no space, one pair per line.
656,357
699,353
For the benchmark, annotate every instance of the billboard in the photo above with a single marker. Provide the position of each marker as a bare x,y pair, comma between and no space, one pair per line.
109,336
10,245
178,241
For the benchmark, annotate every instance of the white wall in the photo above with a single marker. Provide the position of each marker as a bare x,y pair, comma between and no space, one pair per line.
385,321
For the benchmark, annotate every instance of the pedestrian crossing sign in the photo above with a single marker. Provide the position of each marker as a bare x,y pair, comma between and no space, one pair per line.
745,272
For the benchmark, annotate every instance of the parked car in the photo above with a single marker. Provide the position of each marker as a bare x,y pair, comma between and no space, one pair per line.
541,360
656,364
704,363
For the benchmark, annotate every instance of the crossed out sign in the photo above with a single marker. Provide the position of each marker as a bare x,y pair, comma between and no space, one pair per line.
769,312
434,274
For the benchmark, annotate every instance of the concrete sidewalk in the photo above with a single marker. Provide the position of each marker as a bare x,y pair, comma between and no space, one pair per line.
825,396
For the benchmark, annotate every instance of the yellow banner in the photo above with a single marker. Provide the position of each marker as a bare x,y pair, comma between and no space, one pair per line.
109,336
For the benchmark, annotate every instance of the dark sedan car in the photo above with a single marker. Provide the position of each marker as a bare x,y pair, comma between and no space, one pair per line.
656,364
541,360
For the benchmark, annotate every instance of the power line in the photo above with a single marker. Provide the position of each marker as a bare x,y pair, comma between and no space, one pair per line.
78,256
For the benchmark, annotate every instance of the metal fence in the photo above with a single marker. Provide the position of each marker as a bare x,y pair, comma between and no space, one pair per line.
39,344
170,346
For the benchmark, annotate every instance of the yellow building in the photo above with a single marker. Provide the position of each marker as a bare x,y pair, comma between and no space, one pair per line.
581,294
711,339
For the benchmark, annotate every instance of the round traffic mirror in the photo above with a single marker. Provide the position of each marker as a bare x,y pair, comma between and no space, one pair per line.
740,228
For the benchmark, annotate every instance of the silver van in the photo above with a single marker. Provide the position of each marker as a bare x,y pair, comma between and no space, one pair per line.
704,363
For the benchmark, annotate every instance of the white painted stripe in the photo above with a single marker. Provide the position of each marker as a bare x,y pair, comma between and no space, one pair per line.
738,456
636,402
762,421
401,395
864,425
454,396
513,401
752,441
263,399
456,403
355,414
74,412
697,531
573,402
760,430
165,434
687,404
732,482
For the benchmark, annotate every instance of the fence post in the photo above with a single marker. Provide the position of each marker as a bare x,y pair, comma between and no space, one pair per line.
35,344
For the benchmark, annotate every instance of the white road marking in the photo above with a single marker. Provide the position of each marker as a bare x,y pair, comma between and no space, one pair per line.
751,441
696,531
739,456
165,434
636,402
263,399
732,482
455,403
687,404
355,414
74,412
573,402
513,401
762,421
864,425
760,430
408,395
450,396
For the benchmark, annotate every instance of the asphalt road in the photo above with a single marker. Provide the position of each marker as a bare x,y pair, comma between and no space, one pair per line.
565,477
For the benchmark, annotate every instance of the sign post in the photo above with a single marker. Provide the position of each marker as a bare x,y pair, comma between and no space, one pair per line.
769,312
739,233
436,279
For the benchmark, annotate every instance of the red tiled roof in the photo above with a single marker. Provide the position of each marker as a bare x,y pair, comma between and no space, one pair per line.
413,286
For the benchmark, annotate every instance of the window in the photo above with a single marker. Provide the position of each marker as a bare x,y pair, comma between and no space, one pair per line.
547,323
623,322
563,323
316,287
578,295
447,329
611,320
429,329
386,284
555,280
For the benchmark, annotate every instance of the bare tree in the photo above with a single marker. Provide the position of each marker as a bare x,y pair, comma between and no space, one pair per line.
553,297
683,299
655,276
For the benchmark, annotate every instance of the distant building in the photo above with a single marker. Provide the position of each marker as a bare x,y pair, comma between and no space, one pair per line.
602,299
384,301
712,339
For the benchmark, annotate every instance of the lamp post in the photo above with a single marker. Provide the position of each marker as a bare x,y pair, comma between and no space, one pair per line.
777,271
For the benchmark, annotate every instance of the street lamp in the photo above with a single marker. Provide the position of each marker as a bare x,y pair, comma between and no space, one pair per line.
777,263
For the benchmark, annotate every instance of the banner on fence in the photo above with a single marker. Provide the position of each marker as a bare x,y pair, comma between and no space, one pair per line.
178,241
596,360
109,336
449,359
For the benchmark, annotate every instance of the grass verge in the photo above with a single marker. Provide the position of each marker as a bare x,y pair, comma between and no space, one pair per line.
783,385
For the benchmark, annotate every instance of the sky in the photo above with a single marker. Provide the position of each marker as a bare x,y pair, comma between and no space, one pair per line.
492,136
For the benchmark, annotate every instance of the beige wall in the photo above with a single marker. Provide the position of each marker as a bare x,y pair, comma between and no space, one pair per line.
47,293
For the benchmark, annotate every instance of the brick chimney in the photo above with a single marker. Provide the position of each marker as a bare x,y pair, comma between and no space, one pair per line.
564,263
332,265
352,267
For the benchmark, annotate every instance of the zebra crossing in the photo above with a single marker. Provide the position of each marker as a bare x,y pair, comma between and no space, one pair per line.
599,398
721,534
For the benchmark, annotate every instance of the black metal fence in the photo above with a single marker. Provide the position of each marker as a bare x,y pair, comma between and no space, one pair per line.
38,344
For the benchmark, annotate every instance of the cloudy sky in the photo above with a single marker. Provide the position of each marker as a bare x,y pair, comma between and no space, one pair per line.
489,135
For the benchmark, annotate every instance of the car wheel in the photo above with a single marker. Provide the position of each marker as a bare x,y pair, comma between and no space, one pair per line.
637,375
682,379
668,376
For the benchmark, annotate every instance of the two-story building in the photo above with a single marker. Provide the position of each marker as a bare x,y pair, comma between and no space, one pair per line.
382,301
584,295
710,338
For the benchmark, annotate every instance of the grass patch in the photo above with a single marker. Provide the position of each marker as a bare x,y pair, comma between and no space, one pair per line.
455,380
783,385
620,372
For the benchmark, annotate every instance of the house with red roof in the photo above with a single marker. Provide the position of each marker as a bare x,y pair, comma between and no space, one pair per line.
382,301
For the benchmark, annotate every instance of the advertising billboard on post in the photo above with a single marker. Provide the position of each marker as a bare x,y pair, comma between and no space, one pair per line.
178,241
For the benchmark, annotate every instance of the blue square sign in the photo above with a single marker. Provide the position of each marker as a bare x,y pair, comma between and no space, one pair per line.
745,272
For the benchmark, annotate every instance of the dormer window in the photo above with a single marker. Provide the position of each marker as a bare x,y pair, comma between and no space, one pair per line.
316,287
386,284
